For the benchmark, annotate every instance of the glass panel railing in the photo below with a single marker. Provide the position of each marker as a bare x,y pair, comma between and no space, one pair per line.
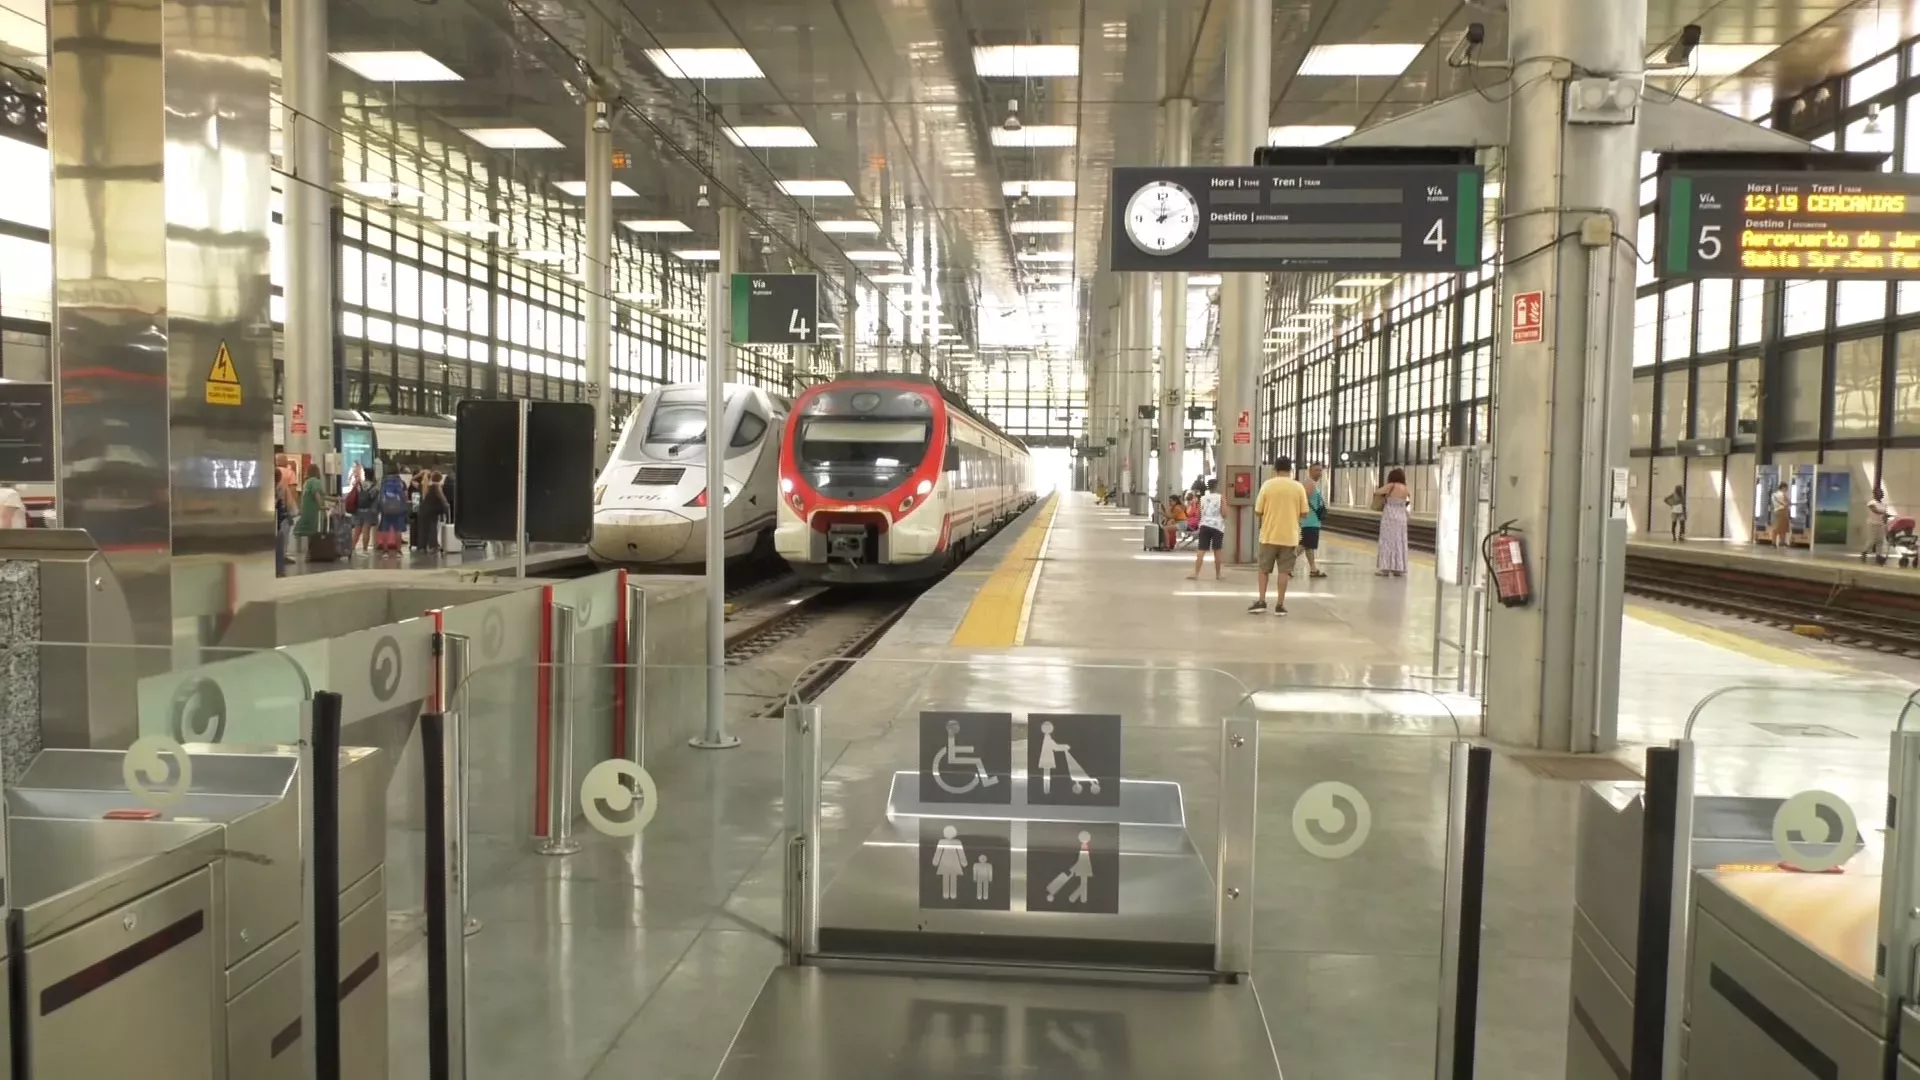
1353,850
1007,809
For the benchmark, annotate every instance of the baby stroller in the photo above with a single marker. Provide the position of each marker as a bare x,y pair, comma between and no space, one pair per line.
1902,542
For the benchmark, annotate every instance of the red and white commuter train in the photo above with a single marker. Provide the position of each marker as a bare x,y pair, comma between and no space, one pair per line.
892,477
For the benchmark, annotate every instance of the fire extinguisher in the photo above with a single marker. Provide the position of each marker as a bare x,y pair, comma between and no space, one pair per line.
1505,554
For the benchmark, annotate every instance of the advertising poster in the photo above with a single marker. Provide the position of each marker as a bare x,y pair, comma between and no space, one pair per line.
1832,500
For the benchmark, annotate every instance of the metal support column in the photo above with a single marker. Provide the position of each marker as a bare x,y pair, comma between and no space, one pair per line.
1140,376
599,227
1243,296
1572,191
307,379
714,735
563,790
849,319
1176,135
723,355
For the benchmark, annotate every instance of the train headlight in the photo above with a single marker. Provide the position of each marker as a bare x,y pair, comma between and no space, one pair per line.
786,485
906,504
794,498
924,487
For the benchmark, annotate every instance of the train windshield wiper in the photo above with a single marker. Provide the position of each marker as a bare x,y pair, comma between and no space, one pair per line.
686,442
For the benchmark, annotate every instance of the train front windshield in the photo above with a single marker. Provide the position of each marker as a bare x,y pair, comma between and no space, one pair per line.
862,457
676,431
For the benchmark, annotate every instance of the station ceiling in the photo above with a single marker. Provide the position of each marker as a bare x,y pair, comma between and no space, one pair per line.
898,110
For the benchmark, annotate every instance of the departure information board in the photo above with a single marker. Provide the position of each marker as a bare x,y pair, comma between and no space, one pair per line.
1228,219
1735,223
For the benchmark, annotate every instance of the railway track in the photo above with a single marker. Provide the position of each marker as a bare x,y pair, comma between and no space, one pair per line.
1884,622
808,638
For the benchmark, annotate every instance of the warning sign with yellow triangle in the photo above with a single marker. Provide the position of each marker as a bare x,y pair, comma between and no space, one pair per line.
223,382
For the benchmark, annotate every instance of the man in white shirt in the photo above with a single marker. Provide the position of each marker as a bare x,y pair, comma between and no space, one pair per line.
1878,512
13,509
1213,529
1782,521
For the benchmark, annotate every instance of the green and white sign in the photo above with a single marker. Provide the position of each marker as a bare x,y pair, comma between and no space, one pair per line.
775,309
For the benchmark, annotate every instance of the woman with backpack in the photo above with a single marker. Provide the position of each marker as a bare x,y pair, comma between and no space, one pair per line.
433,511
361,498
392,509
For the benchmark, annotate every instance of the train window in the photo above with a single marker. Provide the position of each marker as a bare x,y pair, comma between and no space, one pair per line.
750,429
953,459
677,422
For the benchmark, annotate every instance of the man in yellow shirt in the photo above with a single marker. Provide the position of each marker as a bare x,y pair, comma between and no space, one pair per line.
1281,504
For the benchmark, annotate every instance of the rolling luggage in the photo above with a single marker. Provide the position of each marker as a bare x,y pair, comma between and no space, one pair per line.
325,547
1155,538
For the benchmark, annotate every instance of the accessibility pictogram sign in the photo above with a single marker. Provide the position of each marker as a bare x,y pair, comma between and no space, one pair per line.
223,382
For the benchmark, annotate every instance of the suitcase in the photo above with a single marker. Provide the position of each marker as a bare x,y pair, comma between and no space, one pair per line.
324,547
449,538
1155,538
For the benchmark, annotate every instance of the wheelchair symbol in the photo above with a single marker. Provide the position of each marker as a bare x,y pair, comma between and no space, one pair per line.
955,756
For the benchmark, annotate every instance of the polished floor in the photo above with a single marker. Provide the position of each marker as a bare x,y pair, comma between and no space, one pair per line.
641,958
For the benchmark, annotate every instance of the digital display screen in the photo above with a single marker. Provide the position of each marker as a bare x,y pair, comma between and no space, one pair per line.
1734,223
1230,219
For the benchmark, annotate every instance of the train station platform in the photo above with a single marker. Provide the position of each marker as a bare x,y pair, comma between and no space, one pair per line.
662,954
491,560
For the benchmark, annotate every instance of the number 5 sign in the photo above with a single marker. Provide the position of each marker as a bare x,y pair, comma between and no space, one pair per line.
775,309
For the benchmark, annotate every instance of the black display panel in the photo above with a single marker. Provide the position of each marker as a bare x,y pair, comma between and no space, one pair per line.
26,433
1379,218
560,475
1816,224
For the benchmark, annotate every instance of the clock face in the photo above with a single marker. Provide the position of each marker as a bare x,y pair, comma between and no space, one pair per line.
1162,218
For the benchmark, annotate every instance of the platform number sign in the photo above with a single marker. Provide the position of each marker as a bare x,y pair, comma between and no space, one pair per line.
775,309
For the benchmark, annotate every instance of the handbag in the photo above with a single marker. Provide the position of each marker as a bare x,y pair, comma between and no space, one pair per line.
1379,502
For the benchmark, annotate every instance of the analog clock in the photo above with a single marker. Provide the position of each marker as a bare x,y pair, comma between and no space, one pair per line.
1162,218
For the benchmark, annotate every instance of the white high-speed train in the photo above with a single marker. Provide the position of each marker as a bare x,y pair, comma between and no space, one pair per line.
650,503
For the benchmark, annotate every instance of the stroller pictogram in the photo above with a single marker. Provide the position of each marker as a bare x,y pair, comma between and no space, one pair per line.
956,756
1052,751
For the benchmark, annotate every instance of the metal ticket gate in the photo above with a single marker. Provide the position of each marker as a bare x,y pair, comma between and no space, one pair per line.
1004,866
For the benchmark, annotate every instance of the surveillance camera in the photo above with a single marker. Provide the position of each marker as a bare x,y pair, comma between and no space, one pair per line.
1462,52
1681,50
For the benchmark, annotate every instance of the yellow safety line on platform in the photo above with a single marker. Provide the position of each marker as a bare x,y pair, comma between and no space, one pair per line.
1726,639
1666,620
995,618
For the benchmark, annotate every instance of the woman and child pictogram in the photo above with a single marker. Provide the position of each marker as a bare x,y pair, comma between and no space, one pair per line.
950,864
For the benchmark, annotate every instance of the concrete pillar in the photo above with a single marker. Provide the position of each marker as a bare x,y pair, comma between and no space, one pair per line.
1176,135
1562,415
1242,296
307,380
1139,367
599,228
849,317
158,134
729,245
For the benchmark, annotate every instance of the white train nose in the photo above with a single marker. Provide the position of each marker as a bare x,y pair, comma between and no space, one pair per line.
640,535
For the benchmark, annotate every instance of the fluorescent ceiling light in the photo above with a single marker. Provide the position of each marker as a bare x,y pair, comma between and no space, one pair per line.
1491,190
1042,227
540,255
471,228
1288,331
636,297
1036,135
875,255
831,337
512,138
1359,59
1039,189
1050,279
1362,282
1046,256
820,189
892,279
1717,59
1307,134
1202,280
1338,301
383,189
1026,61
578,188
396,65
848,226
765,135
658,226
698,255
705,63
1315,317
